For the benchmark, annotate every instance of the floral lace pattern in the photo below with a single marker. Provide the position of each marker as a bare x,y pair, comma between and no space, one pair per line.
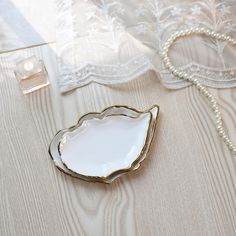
114,41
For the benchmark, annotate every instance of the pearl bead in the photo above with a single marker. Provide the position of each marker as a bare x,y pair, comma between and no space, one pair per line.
162,55
166,48
213,101
221,132
166,59
210,96
226,139
175,72
214,107
188,32
167,64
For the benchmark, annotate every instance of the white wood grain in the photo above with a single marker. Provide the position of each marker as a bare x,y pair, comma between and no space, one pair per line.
185,187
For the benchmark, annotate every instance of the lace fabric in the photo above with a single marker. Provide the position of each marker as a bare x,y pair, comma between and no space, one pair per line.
110,42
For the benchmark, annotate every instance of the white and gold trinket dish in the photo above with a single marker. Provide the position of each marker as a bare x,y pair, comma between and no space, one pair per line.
103,146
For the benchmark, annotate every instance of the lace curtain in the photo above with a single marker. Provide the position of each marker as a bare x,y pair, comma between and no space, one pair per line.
114,41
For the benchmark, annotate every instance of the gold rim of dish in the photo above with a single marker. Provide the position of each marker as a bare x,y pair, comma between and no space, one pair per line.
133,166
117,173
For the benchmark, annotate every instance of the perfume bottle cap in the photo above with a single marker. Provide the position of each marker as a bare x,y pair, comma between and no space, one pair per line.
28,67
31,74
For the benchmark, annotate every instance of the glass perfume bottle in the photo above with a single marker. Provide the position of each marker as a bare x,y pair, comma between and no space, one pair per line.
31,74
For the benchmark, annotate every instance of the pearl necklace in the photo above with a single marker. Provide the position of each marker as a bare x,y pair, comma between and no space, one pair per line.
185,76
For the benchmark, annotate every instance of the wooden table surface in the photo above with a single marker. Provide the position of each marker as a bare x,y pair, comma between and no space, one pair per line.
187,185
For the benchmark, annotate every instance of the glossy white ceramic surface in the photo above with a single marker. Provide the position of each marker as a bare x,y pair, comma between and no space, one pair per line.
110,111
99,147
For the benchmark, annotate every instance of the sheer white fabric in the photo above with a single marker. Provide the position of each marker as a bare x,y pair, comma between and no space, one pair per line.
114,41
